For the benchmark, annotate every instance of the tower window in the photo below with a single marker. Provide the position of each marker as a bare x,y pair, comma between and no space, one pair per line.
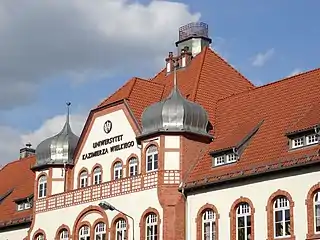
83,179
97,175
152,158
42,187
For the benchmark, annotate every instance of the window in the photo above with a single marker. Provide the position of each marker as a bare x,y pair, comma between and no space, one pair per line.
152,227
20,206
40,236
297,142
225,158
23,205
317,212
83,179
100,231
27,205
133,167
97,176
117,170
209,225
243,222
64,234
312,139
84,233
121,230
152,158
42,187
281,217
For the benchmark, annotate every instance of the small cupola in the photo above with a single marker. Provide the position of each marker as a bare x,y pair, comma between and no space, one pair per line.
59,149
175,114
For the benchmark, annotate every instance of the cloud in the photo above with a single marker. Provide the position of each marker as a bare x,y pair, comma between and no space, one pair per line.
296,71
12,139
261,58
41,40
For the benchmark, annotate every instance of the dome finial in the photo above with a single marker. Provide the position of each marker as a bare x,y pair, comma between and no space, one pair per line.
68,111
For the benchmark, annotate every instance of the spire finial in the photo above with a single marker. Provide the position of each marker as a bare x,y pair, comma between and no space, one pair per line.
68,111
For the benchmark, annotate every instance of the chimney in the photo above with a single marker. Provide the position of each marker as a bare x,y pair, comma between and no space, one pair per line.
27,151
186,56
169,62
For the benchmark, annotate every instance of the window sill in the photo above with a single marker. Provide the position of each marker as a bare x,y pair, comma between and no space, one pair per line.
313,236
283,238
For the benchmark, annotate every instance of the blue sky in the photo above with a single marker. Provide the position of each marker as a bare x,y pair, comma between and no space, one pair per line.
264,40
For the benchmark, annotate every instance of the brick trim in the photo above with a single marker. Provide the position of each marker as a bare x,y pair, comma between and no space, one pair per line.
79,173
37,233
78,223
112,167
142,223
310,211
62,227
270,215
233,217
201,211
97,165
113,226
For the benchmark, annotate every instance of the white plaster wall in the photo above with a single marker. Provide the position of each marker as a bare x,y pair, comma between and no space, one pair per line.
146,142
57,187
41,172
134,205
120,125
172,142
14,235
259,193
172,160
57,173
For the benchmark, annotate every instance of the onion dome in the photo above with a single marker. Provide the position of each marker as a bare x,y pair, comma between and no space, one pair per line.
175,114
58,149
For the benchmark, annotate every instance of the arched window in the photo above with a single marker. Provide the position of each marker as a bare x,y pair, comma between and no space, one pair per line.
317,212
243,222
42,186
40,236
152,227
133,166
209,225
64,234
121,230
83,179
97,176
117,170
152,158
84,233
281,213
100,231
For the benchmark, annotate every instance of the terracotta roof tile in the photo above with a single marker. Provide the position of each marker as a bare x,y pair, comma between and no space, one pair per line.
278,104
17,176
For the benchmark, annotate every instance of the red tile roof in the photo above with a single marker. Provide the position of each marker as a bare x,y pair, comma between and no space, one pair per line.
17,176
292,101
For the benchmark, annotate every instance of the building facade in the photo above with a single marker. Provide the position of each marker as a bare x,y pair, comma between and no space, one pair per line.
196,153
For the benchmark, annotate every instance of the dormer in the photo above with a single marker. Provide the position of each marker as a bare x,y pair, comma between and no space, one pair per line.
304,138
24,203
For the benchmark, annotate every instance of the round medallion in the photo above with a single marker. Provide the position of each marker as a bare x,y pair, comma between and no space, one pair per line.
107,126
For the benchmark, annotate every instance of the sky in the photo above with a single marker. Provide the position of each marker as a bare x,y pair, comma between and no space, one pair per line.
52,52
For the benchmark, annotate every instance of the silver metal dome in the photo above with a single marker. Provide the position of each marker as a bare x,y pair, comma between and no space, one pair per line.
175,114
58,149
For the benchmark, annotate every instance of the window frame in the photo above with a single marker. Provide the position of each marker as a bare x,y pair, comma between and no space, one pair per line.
117,170
212,224
314,204
283,209
133,166
83,235
42,186
152,222
83,179
100,233
152,156
122,229
97,175
245,215
62,235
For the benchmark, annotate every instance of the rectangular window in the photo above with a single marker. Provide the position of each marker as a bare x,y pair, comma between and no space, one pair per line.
97,179
312,139
83,182
27,205
297,142
20,206
133,170
220,160
231,158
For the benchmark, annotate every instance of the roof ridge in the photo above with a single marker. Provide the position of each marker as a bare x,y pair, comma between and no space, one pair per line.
157,74
15,161
233,68
196,85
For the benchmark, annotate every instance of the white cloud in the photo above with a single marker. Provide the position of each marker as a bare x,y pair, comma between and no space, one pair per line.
12,139
41,40
261,58
296,71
